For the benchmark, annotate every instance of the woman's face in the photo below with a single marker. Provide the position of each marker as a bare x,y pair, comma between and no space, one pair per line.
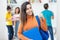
28,9
17,10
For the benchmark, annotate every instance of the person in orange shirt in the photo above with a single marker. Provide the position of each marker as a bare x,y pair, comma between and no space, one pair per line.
28,20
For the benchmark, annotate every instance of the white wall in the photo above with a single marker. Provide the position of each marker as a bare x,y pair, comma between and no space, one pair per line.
58,21
3,29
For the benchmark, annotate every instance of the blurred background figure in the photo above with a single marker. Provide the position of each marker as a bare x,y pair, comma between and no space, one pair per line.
48,15
16,18
11,1
52,0
9,23
32,1
40,1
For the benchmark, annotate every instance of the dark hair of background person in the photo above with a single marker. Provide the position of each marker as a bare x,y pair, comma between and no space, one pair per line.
8,7
18,10
46,6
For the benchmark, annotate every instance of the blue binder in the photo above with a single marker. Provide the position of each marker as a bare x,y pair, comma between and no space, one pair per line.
33,34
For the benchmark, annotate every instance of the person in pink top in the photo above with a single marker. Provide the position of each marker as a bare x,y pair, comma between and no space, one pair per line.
16,18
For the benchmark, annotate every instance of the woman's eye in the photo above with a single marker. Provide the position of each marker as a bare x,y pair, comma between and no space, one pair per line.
30,7
27,8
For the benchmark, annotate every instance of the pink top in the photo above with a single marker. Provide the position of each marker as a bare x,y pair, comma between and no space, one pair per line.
16,17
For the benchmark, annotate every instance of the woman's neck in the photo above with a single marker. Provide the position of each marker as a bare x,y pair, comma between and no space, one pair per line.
16,13
29,16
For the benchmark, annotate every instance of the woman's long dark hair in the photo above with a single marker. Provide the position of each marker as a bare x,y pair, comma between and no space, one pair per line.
23,12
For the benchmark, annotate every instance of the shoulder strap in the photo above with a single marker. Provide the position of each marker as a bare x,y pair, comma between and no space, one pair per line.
39,23
38,20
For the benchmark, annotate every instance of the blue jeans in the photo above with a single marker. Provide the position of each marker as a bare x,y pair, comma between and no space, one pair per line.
16,28
51,32
10,31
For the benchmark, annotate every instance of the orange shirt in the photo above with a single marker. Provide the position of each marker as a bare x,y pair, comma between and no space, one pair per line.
31,23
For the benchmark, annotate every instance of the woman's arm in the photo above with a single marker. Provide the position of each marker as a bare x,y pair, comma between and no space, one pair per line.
52,17
20,35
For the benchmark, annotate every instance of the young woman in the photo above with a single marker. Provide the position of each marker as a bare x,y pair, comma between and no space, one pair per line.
16,18
28,21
